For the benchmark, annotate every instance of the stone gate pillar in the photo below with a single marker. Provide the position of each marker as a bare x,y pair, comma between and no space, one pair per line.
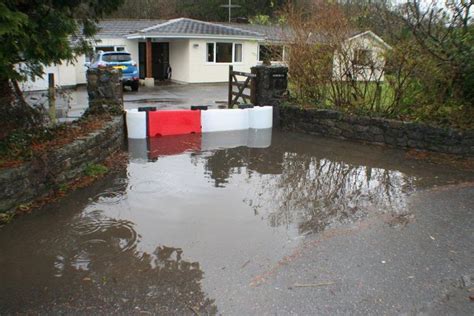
105,90
271,86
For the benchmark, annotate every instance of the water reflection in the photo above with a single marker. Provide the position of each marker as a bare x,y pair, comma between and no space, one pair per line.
142,240
309,189
301,180
316,193
143,150
91,264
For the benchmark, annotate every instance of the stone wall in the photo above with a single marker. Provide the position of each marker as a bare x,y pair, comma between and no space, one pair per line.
38,177
377,130
105,90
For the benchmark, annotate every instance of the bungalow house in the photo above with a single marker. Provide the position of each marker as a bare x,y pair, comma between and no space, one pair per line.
183,50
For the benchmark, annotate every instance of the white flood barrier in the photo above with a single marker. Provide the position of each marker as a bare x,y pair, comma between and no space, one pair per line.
136,124
224,120
261,117
259,138
224,140
214,120
138,150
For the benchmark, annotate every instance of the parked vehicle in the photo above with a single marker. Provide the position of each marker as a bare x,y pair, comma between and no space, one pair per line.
119,60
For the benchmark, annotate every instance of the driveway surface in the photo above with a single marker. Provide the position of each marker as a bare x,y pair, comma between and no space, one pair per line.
71,103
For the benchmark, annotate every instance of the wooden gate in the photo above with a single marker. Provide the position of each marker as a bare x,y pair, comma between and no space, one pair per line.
248,83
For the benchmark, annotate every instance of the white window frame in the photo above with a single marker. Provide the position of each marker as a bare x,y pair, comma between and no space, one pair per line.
213,52
241,53
233,62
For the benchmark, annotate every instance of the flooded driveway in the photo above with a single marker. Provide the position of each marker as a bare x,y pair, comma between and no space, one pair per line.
71,103
306,226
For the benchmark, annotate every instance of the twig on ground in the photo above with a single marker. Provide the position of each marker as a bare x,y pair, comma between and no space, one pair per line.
313,284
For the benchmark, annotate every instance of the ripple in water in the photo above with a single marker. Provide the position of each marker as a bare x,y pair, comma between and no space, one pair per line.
149,186
110,197
98,231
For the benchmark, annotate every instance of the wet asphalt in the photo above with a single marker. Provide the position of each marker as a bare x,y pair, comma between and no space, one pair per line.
379,265
71,103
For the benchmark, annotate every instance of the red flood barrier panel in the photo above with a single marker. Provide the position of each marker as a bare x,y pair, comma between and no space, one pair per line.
173,145
164,123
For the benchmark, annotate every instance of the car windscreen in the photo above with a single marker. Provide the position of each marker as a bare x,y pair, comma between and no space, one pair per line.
119,57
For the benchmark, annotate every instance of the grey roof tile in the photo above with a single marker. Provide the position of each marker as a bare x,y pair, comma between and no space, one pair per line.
123,27
114,28
189,27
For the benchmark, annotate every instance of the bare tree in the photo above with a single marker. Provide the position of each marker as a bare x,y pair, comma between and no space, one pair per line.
445,32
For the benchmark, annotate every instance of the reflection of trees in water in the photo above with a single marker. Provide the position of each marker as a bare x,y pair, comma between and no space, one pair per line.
95,268
313,192
317,192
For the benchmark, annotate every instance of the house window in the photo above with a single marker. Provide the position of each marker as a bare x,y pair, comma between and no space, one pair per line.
238,53
210,52
89,57
110,48
224,53
270,53
105,48
362,57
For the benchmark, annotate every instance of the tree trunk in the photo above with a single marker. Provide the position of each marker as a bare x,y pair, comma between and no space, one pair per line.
15,113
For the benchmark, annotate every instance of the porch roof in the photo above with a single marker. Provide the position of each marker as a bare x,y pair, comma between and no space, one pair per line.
189,28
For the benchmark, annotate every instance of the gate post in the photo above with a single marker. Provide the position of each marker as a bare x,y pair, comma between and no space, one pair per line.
105,91
270,87
229,102
52,98
253,87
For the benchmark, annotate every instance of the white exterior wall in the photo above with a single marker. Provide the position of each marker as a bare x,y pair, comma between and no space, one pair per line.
81,70
131,46
179,60
74,73
202,71
343,62
64,75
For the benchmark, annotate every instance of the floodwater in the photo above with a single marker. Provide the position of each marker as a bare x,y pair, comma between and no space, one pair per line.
71,103
194,220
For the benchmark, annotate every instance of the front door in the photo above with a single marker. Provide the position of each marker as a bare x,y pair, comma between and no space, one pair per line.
160,60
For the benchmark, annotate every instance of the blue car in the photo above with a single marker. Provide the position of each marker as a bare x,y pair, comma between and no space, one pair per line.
119,60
